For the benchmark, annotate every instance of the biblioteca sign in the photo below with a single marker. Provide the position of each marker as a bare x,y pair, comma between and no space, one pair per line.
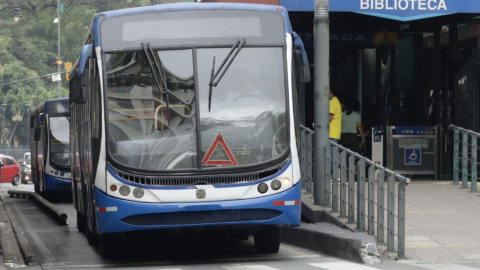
432,5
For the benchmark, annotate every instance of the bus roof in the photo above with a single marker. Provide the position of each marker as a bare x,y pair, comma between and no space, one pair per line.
95,26
41,108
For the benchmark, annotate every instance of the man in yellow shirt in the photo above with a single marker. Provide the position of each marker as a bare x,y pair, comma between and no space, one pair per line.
335,117
335,123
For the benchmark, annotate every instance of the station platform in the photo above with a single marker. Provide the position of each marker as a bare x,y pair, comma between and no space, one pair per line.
441,222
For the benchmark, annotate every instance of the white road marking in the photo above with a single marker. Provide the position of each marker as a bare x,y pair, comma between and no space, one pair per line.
445,266
341,266
250,267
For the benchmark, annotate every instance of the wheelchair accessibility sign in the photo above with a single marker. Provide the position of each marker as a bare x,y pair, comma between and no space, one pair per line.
413,156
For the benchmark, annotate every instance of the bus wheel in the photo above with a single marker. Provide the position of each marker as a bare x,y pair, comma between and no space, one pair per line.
81,222
111,245
16,180
268,239
91,238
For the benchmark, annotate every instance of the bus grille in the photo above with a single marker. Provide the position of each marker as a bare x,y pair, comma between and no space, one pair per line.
198,180
202,217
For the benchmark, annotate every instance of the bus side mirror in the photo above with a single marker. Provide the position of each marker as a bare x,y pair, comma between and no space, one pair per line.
302,67
37,133
79,85
79,88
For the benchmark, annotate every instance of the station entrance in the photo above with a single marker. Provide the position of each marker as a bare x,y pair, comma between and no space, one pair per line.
415,68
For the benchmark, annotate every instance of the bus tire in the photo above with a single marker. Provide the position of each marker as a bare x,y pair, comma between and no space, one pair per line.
91,238
268,239
111,245
16,180
81,222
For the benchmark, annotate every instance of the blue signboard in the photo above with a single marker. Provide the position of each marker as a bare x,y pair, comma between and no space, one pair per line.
401,10
413,156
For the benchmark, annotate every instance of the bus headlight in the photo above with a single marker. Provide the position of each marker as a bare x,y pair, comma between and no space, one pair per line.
57,172
262,188
286,181
138,193
275,185
124,190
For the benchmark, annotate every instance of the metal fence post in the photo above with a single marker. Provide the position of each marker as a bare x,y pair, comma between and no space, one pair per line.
381,208
371,200
464,160
391,214
361,195
351,189
303,156
401,217
328,169
456,155
473,164
310,162
335,180
343,184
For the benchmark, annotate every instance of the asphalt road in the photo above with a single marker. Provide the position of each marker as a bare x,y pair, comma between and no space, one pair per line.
63,247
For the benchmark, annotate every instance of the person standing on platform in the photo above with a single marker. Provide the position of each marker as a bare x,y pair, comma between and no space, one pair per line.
335,123
351,123
335,118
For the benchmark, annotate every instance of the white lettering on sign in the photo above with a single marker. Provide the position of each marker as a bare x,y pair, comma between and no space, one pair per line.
403,5
348,37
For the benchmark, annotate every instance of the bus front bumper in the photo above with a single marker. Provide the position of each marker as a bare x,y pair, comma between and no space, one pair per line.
53,183
116,215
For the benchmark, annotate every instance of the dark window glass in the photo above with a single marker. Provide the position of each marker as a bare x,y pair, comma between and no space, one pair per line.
10,162
60,141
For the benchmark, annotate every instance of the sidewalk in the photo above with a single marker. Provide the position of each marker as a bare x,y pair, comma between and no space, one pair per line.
442,222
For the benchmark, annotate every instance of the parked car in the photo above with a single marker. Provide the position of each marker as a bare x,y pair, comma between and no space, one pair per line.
9,170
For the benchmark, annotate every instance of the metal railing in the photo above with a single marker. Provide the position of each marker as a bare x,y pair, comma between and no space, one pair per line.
357,202
468,156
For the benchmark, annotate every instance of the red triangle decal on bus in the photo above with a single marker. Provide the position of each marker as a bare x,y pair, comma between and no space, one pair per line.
219,140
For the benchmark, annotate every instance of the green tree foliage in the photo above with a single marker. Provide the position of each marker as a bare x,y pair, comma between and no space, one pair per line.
29,49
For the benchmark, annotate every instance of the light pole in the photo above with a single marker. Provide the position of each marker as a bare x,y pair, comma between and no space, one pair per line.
28,121
4,106
16,14
321,101
59,61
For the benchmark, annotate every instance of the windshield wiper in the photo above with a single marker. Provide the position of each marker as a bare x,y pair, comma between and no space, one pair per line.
230,59
162,75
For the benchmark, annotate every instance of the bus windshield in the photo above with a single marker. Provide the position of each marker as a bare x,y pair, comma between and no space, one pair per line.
59,142
248,109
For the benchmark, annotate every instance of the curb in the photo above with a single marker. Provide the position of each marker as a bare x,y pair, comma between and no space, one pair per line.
61,215
332,240
26,249
12,256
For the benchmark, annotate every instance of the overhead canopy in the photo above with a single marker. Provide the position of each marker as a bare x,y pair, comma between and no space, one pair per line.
400,10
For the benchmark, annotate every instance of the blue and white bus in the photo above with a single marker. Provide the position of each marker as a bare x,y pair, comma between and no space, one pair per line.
50,147
184,115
